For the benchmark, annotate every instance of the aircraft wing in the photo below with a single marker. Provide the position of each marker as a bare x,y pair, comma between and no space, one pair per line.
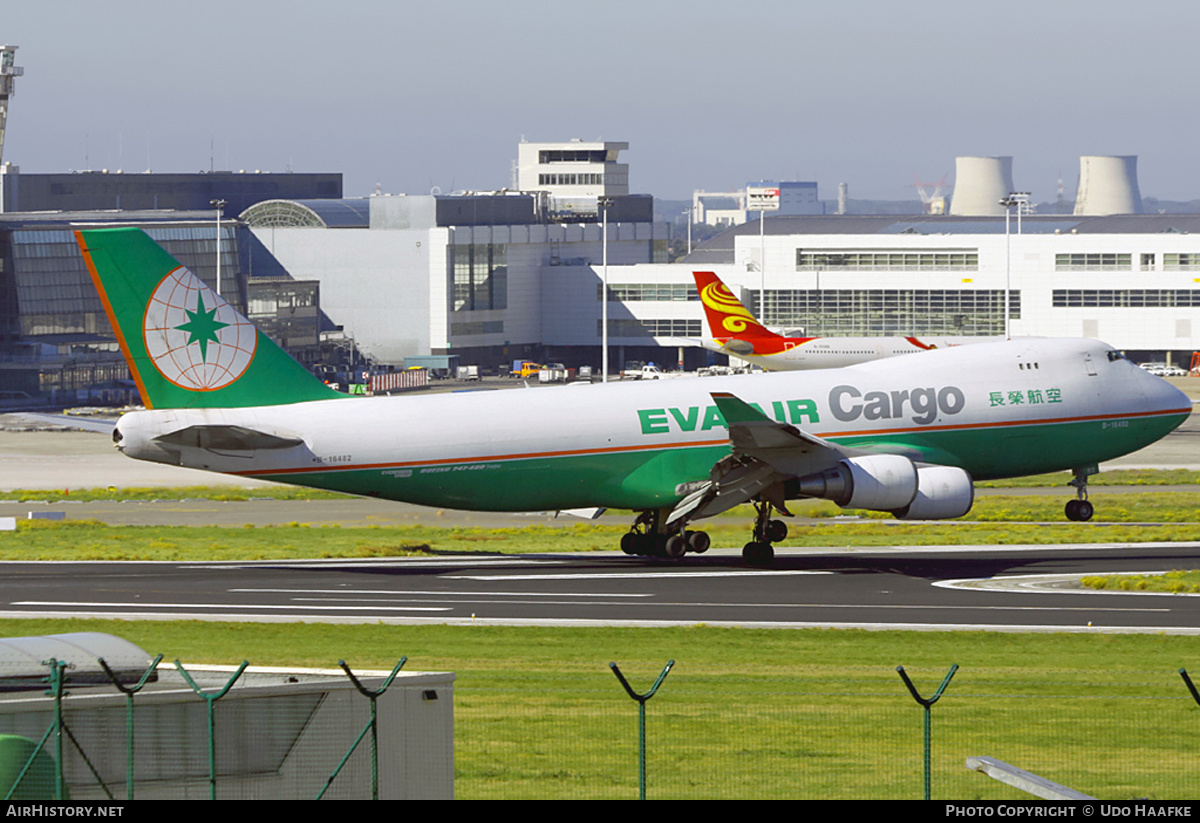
764,454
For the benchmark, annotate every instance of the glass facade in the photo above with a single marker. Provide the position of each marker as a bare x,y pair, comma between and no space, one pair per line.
925,260
1181,262
881,312
651,328
56,299
641,292
1122,298
1099,261
479,276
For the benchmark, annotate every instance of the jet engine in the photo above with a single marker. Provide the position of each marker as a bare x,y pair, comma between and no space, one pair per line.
943,492
879,482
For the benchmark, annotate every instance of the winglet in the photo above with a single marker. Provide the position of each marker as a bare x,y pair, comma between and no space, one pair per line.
736,410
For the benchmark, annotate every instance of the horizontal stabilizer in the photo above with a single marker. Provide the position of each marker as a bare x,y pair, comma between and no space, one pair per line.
226,438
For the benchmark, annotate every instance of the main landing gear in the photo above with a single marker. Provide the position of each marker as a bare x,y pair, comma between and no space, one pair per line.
646,538
1079,509
759,551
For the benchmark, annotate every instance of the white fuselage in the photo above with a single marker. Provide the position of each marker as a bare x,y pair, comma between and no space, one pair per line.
1009,408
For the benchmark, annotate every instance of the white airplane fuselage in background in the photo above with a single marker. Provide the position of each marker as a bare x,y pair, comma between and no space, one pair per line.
794,354
735,332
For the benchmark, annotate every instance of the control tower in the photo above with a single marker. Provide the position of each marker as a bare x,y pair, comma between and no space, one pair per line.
8,73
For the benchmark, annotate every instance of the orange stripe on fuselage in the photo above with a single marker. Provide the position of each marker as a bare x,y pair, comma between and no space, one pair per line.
704,443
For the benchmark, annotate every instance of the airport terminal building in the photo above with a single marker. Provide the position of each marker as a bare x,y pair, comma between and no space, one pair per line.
1131,280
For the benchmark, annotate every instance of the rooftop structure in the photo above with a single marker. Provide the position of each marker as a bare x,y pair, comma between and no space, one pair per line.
8,73
575,174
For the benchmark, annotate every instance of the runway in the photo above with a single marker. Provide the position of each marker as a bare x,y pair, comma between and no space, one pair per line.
983,587
899,588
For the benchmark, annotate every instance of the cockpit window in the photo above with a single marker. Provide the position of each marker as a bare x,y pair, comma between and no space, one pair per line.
1114,356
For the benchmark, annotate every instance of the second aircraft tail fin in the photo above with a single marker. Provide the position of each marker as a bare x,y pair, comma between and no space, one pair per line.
728,319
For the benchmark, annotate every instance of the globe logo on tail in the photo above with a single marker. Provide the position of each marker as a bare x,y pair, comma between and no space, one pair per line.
196,340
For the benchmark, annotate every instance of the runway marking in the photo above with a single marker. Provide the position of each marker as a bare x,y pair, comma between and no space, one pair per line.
439,597
398,620
489,594
1047,584
674,575
222,606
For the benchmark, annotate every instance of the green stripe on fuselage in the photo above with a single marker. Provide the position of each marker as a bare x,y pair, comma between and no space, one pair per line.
644,479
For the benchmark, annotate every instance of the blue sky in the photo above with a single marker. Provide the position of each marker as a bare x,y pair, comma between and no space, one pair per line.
708,95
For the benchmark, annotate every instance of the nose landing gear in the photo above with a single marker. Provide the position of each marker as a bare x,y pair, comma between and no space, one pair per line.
1079,509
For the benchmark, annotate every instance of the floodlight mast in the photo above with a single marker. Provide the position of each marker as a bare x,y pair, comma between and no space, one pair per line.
1020,199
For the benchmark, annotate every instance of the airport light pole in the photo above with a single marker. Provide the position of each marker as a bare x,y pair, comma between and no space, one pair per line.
604,203
219,205
688,211
1020,199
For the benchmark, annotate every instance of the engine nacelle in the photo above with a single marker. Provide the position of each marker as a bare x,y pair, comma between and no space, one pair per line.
879,482
943,492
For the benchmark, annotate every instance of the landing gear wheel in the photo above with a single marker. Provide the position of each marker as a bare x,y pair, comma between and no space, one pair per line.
676,546
756,553
698,542
776,531
629,543
1079,510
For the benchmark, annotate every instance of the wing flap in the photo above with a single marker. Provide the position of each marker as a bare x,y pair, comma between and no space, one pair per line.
764,454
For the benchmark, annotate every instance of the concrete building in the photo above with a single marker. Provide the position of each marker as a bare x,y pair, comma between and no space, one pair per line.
728,208
1131,280
487,277
95,190
55,339
575,175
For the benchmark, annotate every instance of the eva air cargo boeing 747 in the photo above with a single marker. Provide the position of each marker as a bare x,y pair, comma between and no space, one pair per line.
904,435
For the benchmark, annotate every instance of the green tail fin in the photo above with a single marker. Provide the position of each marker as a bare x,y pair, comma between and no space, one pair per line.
186,346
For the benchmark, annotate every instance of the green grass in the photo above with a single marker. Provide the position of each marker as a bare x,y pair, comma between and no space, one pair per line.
1174,582
273,492
996,520
1114,477
1117,477
759,713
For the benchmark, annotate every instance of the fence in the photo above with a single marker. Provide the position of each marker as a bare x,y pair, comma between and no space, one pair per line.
232,734
859,735
853,732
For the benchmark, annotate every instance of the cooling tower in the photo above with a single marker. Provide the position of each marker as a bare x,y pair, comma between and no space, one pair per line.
980,183
1108,185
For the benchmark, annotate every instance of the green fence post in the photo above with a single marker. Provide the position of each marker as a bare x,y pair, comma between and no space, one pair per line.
1187,680
56,682
641,700
129,692
927,703
211,699
57,676
372,726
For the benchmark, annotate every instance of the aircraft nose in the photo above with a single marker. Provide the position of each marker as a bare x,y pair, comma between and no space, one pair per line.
1162,396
